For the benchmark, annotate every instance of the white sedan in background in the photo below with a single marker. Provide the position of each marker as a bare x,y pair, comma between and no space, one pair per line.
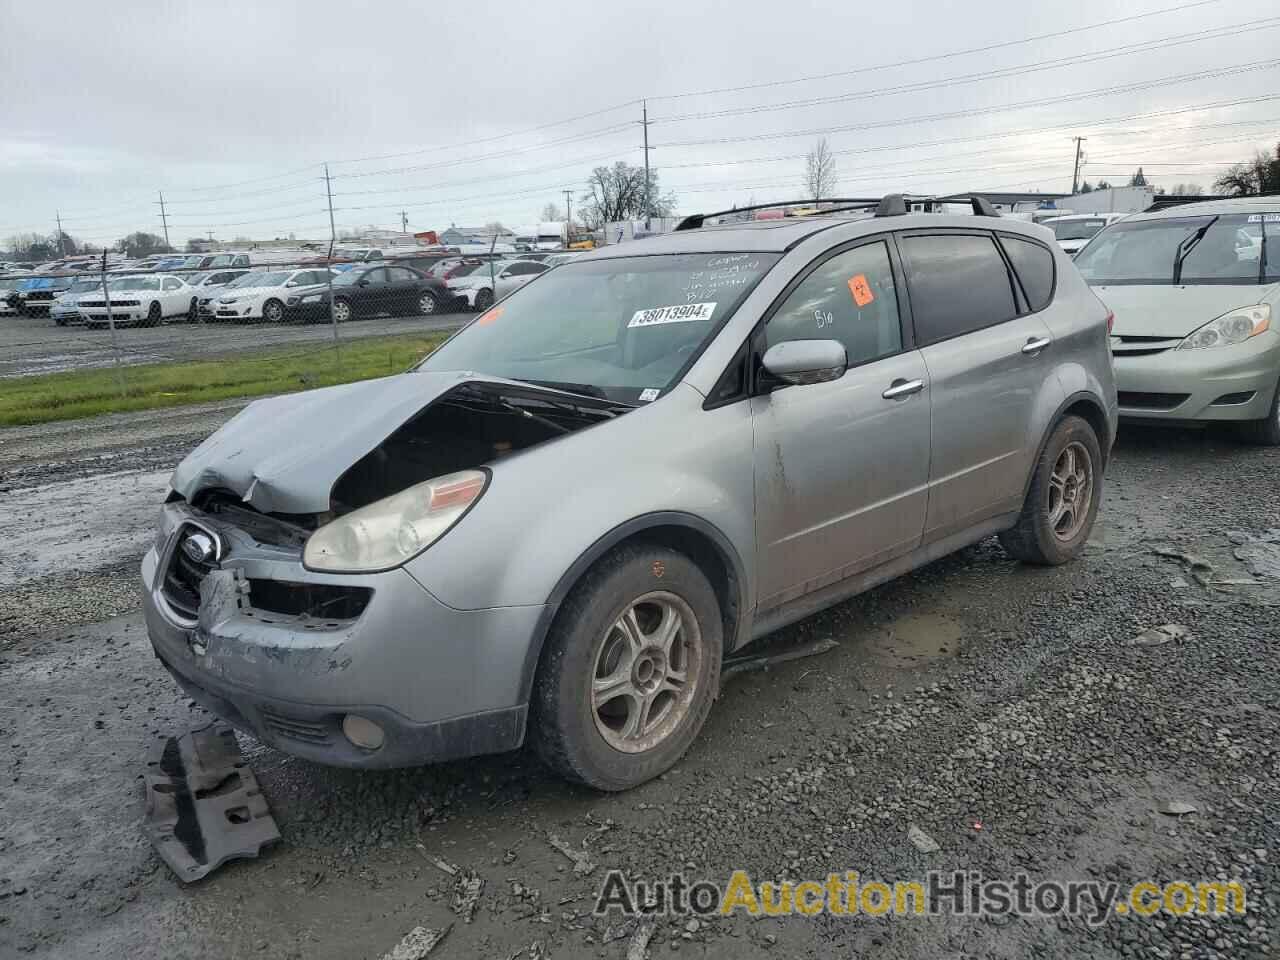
480,290
149,300
262,295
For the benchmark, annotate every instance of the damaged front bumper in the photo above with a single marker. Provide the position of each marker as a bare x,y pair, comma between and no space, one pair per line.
440,683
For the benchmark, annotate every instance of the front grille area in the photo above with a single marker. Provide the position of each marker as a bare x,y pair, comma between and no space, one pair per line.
328,603
293,728
182,580
1142,346
1151,401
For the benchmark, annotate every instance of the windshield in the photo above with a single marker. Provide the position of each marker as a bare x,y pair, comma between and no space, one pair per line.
618,327
1229,250
196,279
137,283
222,260
84,286
260,280
349,277
1076,229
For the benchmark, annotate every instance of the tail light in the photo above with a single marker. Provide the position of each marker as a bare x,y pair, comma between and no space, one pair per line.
1111,321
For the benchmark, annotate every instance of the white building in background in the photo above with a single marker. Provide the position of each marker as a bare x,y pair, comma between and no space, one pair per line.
1111,200
549,235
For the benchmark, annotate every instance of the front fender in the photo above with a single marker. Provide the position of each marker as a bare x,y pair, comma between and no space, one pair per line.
548,507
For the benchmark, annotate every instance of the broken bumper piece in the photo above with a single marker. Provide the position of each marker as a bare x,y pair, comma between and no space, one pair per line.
204,806
438,683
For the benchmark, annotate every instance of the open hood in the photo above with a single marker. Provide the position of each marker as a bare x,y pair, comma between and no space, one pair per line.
286,454
1167,311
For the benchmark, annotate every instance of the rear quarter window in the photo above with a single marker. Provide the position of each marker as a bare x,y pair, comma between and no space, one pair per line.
958,284
1034,266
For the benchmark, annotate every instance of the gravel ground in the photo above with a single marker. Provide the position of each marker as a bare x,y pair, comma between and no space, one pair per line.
33,345
999,708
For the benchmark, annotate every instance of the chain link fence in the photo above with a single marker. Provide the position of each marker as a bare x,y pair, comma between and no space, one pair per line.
101,335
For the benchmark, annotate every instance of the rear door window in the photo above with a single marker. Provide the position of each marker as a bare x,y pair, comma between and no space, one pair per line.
851,297
1034,266
958,283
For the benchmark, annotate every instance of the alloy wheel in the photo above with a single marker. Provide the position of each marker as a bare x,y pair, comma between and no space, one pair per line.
645,672
1070,491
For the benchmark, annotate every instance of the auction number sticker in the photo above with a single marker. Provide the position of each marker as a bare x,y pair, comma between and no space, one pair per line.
678,313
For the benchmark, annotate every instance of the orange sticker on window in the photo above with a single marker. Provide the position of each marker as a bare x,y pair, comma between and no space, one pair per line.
492,314
861,290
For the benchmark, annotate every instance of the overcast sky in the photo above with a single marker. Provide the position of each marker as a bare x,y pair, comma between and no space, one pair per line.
232,108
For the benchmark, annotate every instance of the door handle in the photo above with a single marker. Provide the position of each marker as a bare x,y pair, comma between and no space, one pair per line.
1035,345
901,389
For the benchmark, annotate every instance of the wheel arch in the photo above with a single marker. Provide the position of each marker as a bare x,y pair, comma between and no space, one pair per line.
701,541
1090,409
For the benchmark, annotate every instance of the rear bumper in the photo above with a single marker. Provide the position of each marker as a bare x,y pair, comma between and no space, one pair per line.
1235,383
441,683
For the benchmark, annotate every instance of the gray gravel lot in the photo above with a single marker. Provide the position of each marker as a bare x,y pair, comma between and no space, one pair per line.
34,345
998,707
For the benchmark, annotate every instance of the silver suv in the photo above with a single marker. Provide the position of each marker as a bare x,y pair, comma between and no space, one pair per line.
561,521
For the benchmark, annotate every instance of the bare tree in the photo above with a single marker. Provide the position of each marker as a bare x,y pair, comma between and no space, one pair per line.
820,171
617,193
1259,176
1186,190
550,213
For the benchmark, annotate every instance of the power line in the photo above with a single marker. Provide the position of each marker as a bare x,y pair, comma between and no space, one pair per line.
937,56
1215,73
1144,46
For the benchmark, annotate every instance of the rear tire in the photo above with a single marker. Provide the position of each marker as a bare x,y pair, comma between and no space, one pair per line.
341,311
428,305
1266,432
1062,503
630,669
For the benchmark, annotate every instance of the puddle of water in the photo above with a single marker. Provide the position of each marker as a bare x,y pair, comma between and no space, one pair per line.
915,639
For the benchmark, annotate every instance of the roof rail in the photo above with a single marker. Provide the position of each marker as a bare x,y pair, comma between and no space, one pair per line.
696,220
896,205
890,205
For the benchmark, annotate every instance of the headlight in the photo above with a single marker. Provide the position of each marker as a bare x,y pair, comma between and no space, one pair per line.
1234,327
387,533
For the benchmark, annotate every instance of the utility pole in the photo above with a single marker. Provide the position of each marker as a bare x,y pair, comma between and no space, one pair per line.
62,249
644,106
333,235
1075,174
165,220
568,208
404,221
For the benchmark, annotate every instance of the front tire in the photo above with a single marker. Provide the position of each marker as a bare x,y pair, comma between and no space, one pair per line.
484,299
273,311
1062,503
1266,432
155,315
629,671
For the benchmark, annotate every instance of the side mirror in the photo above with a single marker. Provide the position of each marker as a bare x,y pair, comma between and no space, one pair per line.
292,283
362,282
806,361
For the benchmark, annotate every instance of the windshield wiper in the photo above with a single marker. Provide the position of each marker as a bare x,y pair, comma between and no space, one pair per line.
1185,248
581,389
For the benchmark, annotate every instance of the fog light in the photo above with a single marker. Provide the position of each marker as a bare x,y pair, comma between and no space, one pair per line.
365,734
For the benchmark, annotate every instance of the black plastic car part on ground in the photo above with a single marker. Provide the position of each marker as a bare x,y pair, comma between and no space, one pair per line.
369,291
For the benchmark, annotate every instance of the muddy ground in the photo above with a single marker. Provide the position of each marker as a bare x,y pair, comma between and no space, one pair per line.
999,708
34,345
